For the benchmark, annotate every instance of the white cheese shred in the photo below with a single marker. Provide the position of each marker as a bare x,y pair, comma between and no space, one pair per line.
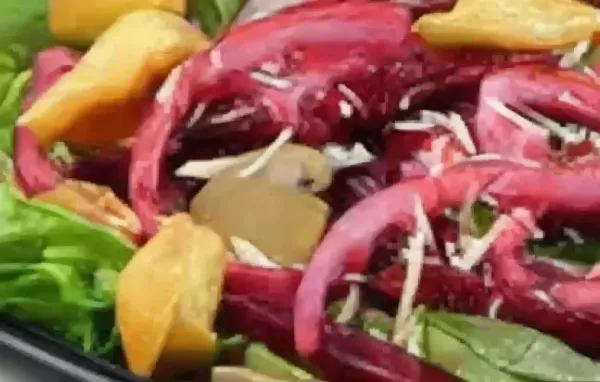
351,305
495,307
478,247
502,110
232,115
458,126
260,162
413,126
246,253
434,117
413,255
574,56
271,81
422,222
165,92
341,157
205,169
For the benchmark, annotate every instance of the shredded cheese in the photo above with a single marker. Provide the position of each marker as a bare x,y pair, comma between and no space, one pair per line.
165,92
205,169
355,278
422,222
490,157
351,305
495,307
340,157
514,117
478,247
574,56
544,297
458,126
346,109
413,255
573,235
271,81
246,253
352,97
268,153
434,117
413,126
232,115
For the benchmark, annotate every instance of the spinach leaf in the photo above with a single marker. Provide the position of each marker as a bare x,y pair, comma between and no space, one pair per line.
23,32
471,344
586,253
215,16
456,358
59,271
260,359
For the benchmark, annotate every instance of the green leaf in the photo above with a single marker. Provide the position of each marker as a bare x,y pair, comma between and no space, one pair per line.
23,32
586,253
456,358
215,16
514,350
483,218
59,271
260,359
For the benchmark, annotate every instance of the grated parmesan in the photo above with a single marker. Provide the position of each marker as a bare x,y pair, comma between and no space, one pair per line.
205,169
246,253
413,255
351,305
268,153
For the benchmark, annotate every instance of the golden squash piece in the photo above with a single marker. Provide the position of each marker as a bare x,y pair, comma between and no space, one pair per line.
97,204
510,24
167,299
282,223
81,22
100,101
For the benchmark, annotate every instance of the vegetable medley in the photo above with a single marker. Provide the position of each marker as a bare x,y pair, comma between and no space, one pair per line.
316,190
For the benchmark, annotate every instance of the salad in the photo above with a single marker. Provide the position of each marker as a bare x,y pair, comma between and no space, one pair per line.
306,190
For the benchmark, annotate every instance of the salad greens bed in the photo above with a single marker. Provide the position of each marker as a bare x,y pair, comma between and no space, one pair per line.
59,271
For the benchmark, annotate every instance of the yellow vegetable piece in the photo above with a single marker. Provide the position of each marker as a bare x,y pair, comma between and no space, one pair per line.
100,101
167,298
81,22
97,204
282,223
510,24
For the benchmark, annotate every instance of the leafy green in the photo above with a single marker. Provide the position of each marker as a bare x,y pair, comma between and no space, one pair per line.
481,349
456,358
260,359
230,349
483,218
59,271
585,253
23,32
215,16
